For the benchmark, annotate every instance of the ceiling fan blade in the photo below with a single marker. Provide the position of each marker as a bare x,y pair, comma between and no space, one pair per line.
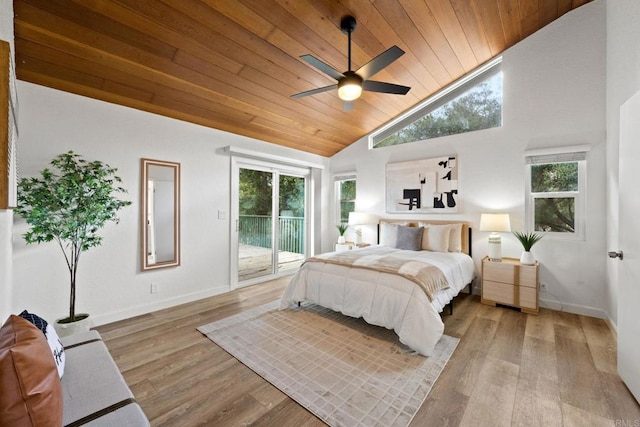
325,68
380,62
382,87
347,106
314,91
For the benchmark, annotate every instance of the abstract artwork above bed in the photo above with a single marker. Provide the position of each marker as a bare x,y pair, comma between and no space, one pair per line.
422,186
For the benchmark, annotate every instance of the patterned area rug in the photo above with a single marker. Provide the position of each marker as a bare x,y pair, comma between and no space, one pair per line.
343,370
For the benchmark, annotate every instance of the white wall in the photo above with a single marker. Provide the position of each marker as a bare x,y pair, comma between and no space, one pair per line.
623,80
6,216
110,284
554,95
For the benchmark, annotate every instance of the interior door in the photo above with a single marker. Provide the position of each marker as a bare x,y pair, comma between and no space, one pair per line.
629,237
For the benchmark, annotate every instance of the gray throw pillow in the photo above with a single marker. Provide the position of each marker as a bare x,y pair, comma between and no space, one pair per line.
409,238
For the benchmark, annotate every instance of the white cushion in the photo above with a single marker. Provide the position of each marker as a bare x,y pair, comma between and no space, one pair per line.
388,234
455,238
57,349
436,238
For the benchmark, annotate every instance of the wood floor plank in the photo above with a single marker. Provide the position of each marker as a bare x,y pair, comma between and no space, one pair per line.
537,400
492,401
541,326
441,409
568,325
602,343
579,380
576,417
509,336
509,368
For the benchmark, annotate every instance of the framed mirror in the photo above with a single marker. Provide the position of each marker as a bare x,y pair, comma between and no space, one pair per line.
160,214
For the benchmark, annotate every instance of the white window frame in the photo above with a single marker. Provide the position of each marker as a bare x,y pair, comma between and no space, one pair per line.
338,179
574,154
437,100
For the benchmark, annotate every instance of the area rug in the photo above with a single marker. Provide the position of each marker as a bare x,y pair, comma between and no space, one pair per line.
343,370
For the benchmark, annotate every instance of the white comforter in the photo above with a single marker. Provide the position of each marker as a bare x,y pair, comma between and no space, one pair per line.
383,299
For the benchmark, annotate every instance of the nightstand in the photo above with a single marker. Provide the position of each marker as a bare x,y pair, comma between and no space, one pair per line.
510,283
347,246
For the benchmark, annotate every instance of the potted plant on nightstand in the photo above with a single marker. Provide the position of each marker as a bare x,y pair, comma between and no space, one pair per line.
341,229
69,204
527,240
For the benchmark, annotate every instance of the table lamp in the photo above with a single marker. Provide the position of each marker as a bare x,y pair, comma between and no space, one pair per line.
361,218
495,223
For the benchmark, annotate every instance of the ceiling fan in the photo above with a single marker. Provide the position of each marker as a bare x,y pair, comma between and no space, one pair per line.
351,83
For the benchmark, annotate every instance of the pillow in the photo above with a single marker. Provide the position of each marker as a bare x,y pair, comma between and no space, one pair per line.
409,238
436,238
455,238
57,349
388,234
31,391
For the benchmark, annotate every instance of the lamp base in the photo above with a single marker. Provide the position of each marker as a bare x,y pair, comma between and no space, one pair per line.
495,248
358,236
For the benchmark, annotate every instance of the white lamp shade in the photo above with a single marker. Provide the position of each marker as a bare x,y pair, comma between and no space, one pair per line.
362,218
496,222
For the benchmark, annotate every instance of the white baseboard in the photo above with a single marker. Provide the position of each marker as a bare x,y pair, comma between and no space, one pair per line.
114,316
574,308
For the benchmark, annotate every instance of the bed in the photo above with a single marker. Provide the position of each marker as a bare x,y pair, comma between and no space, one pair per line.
403,283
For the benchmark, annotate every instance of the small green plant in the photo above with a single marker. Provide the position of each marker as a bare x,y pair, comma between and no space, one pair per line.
342,228
527,239
70,203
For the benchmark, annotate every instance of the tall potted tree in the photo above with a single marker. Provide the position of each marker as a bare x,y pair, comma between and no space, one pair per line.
69,203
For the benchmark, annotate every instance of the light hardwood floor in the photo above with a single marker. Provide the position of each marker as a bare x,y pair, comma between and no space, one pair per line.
555,369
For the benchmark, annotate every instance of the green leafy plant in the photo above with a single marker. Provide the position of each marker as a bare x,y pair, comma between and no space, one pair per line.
70,203
342,228
527,239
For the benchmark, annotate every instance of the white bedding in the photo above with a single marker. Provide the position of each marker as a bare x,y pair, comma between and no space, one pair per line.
384,299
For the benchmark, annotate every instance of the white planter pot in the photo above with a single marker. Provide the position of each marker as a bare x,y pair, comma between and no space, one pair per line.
527,258
341,240
67,329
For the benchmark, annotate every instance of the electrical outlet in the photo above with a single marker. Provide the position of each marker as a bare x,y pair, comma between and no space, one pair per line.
154,288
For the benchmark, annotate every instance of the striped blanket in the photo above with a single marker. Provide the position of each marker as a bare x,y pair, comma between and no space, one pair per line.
394,261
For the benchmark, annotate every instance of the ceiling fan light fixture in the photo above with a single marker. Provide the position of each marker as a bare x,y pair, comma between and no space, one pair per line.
350,87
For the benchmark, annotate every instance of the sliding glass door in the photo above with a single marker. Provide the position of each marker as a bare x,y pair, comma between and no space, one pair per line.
270,220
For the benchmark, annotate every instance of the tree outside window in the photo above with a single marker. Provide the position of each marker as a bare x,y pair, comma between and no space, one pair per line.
478,108
555,193
471,103
554,187
346,196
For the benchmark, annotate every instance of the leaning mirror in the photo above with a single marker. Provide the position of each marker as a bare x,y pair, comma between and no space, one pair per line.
160,213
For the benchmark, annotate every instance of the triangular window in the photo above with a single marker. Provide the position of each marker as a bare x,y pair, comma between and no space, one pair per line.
471,103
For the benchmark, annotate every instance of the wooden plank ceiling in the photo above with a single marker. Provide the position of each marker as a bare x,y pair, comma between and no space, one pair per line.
233,64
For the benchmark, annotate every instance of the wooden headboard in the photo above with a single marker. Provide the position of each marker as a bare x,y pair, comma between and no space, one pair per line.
466,228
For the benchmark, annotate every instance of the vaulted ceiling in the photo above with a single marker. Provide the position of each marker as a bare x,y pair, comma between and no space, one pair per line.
234,64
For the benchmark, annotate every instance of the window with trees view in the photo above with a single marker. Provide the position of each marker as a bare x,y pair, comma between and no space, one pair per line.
470,104
556,191
345,197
